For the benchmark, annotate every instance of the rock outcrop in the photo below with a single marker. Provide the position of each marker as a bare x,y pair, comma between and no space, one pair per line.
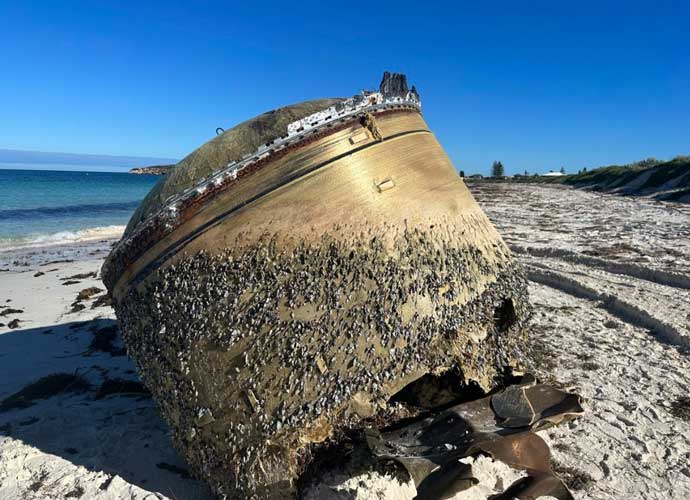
153,170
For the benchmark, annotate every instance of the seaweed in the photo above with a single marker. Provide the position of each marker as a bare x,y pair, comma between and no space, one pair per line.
44,388
87,293
104,340
573,478
8,311
121,387
173,468
680,408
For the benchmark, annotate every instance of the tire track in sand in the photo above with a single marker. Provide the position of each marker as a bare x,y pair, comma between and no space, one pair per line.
625,311
660,277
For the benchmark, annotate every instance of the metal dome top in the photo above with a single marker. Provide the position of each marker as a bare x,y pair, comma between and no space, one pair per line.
232,145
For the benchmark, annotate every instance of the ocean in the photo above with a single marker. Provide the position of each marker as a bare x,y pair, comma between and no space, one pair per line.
41,207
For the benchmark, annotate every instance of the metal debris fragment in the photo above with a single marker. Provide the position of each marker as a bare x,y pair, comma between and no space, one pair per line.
430,448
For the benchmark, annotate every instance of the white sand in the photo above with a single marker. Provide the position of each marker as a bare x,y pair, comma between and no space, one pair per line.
72,445
612,311
623,347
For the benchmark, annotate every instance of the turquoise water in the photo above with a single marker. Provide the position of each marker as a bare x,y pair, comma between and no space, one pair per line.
42,207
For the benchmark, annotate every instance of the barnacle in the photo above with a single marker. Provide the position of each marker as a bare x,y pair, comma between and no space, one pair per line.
288,296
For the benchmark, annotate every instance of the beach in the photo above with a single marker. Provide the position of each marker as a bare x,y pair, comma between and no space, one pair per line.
434,251
101,440
609,286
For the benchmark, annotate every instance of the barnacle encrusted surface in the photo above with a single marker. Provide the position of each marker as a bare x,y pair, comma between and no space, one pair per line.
255,352
273,311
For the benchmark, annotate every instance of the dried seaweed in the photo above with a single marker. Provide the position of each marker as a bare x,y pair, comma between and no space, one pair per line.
44,388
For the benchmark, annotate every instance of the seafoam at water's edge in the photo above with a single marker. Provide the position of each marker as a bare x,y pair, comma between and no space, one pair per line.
41,207
61,238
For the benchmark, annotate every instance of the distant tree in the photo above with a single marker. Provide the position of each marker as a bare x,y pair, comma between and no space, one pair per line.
526,173
462,173
563,170
497,169
584,170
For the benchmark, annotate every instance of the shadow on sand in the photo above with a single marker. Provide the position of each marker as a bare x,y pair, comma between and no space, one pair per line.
70,391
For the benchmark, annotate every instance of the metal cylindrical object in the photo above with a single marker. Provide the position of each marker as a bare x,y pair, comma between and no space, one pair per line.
293,302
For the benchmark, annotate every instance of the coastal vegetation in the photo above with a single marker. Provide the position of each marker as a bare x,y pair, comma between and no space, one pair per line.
663,180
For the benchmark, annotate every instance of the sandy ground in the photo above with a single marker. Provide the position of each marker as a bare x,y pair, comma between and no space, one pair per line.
79,442
611,289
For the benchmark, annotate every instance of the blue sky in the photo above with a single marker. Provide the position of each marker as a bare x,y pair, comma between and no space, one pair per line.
536,85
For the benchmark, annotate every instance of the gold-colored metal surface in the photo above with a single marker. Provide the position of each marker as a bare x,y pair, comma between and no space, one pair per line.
336,178
294,304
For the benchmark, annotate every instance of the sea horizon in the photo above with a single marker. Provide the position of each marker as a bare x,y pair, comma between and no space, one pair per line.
20,159
58,167
42,207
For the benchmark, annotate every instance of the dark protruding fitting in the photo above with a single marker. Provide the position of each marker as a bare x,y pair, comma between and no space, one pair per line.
393,85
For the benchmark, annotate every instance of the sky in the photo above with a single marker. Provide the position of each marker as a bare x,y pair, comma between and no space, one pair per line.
38,160
536,85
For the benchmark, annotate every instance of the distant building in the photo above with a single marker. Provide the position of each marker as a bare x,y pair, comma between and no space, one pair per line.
553,174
